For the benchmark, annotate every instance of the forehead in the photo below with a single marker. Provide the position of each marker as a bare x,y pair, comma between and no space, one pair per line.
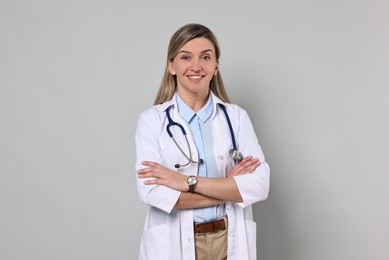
198,45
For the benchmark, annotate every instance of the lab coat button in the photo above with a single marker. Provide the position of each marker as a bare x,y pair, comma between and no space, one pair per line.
220,157
228,207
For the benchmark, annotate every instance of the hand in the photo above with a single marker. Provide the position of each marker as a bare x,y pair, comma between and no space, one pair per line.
246,165
163,176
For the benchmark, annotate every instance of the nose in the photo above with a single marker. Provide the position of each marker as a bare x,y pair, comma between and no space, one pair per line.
196,65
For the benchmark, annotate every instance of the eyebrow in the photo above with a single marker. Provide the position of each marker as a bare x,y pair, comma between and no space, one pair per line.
204,51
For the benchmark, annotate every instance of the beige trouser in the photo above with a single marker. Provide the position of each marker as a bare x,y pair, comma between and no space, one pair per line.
211,246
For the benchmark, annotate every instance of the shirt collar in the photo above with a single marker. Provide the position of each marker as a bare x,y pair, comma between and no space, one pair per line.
172,103
187,113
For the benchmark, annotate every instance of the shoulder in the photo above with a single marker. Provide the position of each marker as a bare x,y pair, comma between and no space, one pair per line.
153,110
150,115
231,108
156,110
235,110
238,115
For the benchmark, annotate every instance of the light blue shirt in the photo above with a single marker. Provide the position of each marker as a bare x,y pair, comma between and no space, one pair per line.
201,130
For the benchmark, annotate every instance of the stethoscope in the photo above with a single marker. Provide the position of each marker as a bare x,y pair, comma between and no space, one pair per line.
234,153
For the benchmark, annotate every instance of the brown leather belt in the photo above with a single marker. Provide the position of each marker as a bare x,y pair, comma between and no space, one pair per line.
209,226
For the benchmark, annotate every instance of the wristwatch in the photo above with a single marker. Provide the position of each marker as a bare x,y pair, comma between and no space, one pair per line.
192,181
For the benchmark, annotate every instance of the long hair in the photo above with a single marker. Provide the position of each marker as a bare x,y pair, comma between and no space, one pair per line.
180,38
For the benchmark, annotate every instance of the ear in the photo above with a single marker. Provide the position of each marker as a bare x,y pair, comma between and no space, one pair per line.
216,69
170,67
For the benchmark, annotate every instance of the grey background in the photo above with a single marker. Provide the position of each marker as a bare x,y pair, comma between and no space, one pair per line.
74,76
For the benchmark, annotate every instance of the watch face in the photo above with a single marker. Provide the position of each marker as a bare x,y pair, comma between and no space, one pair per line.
192,180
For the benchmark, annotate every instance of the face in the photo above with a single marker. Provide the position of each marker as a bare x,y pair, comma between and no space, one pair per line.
194,67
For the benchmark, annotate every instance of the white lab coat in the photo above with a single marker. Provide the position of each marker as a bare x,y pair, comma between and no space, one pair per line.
168,232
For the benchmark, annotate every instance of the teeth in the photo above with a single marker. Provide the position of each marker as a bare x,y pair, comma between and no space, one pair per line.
195,77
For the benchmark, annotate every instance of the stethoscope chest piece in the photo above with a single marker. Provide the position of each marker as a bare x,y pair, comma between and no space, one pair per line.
235,154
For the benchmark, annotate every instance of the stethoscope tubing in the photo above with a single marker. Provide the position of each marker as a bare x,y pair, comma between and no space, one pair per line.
172,123
230,127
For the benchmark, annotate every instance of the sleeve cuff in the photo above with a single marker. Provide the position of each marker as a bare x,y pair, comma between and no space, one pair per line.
163,198
252,187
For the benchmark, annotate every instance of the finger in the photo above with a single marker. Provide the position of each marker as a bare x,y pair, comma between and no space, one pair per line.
250,166
243,163
242,166
151,182
246,159
149,163
146,173
254,167
142,175
249,163
153,166
144,170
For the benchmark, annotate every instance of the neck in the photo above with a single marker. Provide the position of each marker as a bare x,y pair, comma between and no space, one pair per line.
196,101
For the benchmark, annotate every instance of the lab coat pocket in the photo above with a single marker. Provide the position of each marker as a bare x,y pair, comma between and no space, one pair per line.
154,243
251,232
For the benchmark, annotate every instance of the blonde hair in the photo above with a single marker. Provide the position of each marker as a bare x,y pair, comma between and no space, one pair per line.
180,38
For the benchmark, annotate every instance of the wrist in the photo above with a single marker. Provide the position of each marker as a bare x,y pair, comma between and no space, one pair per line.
192,182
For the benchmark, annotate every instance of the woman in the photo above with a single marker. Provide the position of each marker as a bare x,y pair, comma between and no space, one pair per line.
200,198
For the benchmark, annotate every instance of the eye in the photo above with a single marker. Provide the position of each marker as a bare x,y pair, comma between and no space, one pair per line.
184,57
206,57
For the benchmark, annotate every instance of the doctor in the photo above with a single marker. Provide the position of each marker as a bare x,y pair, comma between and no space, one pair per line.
199,164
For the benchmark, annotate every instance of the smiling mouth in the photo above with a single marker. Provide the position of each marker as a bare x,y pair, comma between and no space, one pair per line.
196,77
